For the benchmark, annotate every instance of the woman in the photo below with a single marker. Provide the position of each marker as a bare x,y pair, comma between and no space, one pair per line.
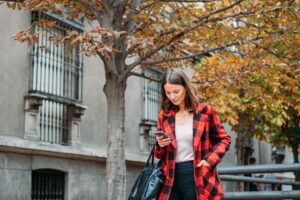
196,145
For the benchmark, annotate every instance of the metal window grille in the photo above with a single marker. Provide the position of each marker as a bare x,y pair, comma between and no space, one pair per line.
47,184
151,102
54,73
53,122
151,138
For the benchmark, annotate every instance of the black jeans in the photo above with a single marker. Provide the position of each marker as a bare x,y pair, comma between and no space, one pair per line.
184,183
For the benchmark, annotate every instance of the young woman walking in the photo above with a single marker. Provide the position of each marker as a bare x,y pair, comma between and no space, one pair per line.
196,144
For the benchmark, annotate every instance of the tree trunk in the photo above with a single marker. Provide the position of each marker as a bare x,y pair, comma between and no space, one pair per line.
240,157
115,163
295,148
240,146
239,149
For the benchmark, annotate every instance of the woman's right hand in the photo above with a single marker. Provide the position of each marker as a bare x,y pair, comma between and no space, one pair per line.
162,142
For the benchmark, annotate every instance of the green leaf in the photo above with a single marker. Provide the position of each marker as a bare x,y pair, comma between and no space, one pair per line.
158,27
277,121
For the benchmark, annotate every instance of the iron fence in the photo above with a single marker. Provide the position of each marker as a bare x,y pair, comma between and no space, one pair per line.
227,174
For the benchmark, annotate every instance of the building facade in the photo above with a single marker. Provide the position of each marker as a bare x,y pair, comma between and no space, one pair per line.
53,119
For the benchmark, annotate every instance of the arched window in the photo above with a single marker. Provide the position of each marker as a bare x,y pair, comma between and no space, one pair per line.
47,184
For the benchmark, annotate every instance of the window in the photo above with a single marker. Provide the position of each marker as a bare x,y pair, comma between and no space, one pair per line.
54,74
151,106
47,184
53,122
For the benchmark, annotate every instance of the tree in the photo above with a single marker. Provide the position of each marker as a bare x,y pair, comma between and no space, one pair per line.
144,33
259,80
288,135
254,99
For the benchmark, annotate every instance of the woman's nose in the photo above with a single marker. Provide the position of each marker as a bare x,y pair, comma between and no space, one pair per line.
172,96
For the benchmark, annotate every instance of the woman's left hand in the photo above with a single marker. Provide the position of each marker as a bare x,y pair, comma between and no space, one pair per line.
203,163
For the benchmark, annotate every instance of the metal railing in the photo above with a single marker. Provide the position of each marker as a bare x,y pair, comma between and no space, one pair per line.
231,173
263,195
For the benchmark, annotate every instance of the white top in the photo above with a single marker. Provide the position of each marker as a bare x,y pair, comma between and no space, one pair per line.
184,141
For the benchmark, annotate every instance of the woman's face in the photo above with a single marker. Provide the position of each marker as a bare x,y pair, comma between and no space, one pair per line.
175,93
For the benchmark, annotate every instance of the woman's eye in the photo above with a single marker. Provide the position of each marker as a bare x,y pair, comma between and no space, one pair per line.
169,93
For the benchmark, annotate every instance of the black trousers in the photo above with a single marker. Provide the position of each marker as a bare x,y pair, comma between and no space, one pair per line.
184,183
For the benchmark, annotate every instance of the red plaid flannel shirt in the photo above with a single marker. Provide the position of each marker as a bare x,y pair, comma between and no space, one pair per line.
210,142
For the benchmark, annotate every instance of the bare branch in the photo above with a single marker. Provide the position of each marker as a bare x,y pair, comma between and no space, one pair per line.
212,81
210,14
131,49
221,10
144,76
119,11
177,36
129,24
147,6
203,20
139,61
200,23
177,1
268,50
200,54
249,24
141,26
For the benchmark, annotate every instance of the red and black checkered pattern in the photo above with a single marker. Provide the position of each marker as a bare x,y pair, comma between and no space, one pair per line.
210,142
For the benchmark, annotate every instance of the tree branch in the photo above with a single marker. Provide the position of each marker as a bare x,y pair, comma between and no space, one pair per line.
92,9
139,61
130,67
132,11
203,20
119,10
250,25
176,1
200,54
268,50
221,10
144,76
212,81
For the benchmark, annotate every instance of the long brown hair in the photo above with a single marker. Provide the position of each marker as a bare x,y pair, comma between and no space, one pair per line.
178,77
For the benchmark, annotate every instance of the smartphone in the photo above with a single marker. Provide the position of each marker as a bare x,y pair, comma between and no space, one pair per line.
161,133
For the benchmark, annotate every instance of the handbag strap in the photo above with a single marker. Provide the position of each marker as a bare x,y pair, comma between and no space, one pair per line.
151,157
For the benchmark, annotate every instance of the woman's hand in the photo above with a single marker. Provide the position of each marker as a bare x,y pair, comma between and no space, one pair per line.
162,142
203,163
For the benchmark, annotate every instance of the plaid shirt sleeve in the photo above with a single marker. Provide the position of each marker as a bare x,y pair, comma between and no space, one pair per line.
220,140
159,152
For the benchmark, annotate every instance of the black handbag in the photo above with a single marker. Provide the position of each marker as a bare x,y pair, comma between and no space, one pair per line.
149,182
